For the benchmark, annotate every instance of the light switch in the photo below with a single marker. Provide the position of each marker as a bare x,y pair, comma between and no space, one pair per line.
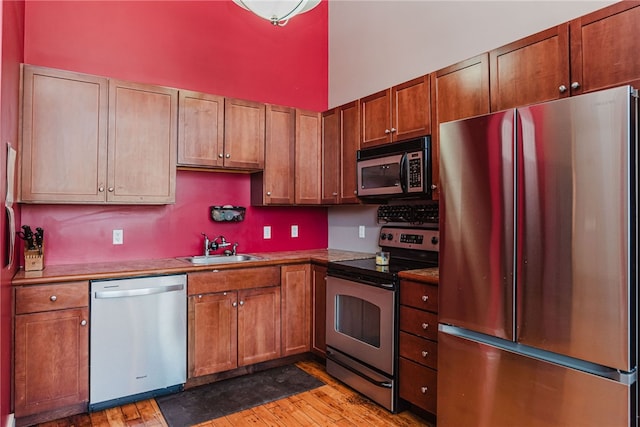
118,237
294,231
361,231
266,232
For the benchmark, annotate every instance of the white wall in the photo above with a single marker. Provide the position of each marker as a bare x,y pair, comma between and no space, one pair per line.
375,44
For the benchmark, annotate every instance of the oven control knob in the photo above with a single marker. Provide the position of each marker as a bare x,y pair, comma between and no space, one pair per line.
434,240
383,236
389,236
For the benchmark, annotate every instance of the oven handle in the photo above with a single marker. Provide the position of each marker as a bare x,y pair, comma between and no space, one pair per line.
384,384
359,279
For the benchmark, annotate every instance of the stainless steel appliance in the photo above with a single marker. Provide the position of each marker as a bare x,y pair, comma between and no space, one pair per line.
398,170
362,312
538,267
138,339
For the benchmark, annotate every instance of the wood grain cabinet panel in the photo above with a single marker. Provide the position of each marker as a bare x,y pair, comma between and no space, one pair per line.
319,315
308,161
200,129
418,385
276,184
296,309
244,134
259,325
604,48
331,156
51,351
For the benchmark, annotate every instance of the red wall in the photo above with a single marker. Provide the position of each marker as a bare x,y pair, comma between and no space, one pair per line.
12,19
209,46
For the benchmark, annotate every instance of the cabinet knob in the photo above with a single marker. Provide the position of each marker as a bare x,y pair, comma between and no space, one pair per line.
575,85
101,189
235,304
241,302
425,353
83,323
425,298
53,298
562,88
335,194
425,326
355,192
228,156
394,130
110,190
387,131
220,155
199,296
434,187
268,193
424,389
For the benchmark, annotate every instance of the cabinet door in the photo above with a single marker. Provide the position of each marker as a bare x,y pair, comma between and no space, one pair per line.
375,113
64,136
142,143
350,144
258,325
296,309
330,156
604,48
51,360
319,296
279,169
244,124
308,157
213,330
458,91
200,129
531,70
411,109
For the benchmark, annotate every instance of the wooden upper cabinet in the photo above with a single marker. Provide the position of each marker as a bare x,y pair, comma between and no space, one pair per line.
308,161
86,139
604,48
531,70
331,156
64,136
349,146
275,185
457,92
200,129
244,134
396,114
142,143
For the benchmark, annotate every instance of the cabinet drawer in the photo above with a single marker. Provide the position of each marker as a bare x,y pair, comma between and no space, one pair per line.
418,322
227,280
32,299
420,350
418,385
419,295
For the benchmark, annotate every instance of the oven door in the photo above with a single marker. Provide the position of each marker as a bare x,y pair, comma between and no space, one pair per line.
361,322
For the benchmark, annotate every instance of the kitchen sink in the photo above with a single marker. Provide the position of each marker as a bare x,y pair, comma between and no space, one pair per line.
220,259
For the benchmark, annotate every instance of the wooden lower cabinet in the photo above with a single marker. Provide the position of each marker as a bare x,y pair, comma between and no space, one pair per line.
418,344
319,315
296,309
233,328
51,352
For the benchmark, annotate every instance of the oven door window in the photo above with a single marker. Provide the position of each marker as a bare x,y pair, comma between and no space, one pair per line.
358,319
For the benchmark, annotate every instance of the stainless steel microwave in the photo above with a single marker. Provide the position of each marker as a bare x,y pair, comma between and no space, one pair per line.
397,170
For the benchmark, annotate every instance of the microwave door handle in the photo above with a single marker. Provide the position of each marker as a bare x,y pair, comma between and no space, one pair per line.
403,173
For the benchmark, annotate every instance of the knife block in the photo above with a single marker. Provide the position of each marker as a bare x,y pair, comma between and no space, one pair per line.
34,259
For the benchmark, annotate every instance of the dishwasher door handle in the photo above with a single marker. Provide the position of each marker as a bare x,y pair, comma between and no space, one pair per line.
138,292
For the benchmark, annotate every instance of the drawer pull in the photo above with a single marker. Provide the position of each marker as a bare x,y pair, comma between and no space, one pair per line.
425,298
425,326
424,390
83,323
53,298
425,353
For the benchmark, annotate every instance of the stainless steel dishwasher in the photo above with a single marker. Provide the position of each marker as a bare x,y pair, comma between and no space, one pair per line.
138,339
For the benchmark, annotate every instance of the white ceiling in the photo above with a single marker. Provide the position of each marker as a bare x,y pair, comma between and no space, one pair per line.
375,44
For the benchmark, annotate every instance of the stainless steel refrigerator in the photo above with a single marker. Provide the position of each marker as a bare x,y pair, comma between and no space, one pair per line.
538,259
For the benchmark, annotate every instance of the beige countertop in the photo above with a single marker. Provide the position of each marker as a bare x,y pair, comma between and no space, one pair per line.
108,270
426,275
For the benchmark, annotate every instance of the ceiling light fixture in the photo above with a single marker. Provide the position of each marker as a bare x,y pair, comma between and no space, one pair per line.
278,12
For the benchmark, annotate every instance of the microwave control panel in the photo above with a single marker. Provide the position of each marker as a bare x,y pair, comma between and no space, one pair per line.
415,171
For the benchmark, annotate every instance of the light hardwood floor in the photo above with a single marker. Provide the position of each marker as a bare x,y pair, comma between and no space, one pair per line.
333,404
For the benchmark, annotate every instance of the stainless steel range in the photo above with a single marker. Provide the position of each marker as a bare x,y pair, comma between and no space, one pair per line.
362,312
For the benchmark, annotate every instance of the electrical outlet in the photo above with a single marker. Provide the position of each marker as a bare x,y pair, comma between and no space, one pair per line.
118,237
294,231
266,232
361,231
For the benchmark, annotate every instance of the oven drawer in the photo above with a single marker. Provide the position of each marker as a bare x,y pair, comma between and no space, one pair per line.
418,322
418,385
419,295
419,350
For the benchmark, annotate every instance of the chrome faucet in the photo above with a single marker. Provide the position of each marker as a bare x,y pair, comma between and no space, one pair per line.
206,245
214,245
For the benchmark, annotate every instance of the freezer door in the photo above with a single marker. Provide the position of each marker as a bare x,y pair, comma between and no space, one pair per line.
574,288
485,386
476,232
